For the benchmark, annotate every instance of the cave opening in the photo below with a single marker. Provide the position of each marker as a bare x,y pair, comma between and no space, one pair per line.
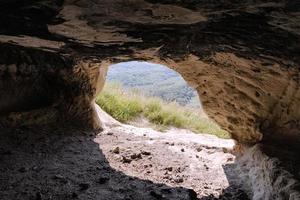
145,108
146,94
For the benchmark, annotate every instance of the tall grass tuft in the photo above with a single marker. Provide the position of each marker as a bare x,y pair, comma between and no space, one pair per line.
119,105
127,105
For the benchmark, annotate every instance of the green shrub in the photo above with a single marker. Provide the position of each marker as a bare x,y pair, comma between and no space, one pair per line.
126,105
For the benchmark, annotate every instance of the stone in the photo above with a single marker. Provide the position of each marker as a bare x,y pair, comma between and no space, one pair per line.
198,149
58,176
126,160
146,153
243,61
178,180
116,150
136,156
169,169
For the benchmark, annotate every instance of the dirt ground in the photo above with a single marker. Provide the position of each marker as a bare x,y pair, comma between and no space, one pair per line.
122,162
177,158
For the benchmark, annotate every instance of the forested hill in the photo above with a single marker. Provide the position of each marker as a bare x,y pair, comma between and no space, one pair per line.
155,80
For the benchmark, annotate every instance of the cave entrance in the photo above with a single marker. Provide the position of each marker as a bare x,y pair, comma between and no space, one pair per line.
152,95
154,138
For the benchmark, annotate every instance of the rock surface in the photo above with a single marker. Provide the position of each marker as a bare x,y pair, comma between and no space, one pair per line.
241,56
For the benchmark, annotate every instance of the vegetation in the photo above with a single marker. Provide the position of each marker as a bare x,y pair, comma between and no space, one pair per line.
154,80
127,105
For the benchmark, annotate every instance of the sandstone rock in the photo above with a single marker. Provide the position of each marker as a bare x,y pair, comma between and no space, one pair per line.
242,58
169,169
178,180
109,133
198,149
146,153
116,150
126,159
136,156
234,71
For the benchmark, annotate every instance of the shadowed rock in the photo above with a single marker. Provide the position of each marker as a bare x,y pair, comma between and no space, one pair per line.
241,56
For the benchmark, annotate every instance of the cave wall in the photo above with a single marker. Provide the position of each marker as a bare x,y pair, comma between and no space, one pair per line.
241,56
43,87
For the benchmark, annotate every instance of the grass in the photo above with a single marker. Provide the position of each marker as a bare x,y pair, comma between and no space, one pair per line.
125,106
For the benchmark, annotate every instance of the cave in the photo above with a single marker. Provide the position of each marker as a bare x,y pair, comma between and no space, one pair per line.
241,56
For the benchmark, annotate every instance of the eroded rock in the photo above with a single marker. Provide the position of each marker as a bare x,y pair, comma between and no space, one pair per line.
242,58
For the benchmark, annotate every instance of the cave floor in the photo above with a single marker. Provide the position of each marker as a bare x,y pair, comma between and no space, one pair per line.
118,163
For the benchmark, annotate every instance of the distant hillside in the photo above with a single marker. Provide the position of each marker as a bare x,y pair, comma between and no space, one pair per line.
154,80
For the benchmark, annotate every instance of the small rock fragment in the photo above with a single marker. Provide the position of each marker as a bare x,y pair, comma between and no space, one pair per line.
178,180
109,133
169,169
116,150
136,156
146,153
178,170
225,150
58,176
199,149
206,167
126,160
35,168
229,159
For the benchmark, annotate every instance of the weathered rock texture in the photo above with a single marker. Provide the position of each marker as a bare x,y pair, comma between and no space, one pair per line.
243,58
